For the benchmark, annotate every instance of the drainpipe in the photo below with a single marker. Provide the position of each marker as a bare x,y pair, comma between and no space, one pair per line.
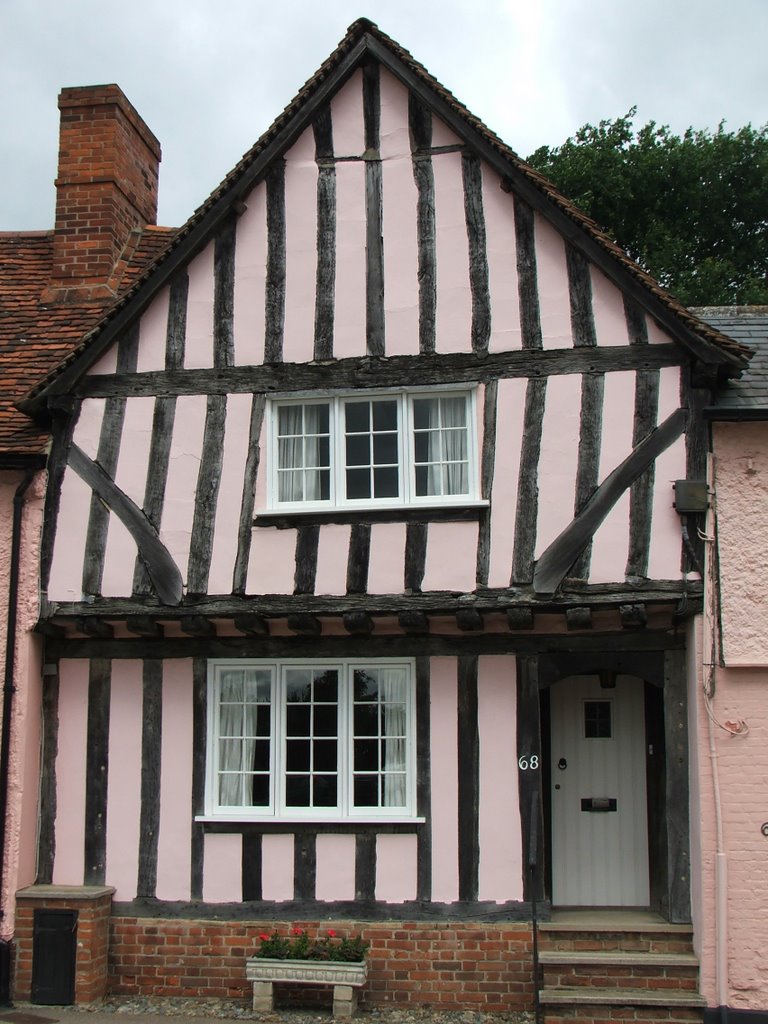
31,467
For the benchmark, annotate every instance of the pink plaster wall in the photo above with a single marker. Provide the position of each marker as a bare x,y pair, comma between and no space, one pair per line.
301,247
666,543
277,867
250,280
70,773
152,335
183,469
130,476
349,314
445,787
387,553
451,556
611,543
501,872
124,777
198,348
227,527
175,832
552,274
335,867
740,479
506,333
395,868
401,286
559,458
223,860
454,299
347,117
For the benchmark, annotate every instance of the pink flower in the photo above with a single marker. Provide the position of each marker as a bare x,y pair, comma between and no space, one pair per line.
296,931
332,933
264,937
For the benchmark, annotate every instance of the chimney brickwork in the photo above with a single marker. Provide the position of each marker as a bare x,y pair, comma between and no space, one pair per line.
106,188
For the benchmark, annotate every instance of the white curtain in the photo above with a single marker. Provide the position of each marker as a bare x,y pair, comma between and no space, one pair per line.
299,470
242,691
393,702
454,434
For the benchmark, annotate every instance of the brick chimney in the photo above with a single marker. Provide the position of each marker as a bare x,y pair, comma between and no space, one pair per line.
106,188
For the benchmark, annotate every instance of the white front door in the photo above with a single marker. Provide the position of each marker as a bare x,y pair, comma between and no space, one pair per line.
599,813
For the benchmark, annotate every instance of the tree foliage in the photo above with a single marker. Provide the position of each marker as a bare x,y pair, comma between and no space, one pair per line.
692,210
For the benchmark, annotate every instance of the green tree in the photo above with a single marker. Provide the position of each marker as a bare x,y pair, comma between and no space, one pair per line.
692,210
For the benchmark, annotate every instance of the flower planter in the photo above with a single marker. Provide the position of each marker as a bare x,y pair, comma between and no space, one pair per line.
345,978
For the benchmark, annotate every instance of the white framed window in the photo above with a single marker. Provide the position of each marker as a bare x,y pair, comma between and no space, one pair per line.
309,740
361,450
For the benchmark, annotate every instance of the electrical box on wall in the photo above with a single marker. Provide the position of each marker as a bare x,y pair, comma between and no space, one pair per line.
691,495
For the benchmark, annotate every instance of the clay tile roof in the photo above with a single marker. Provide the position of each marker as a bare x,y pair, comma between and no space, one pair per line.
364,35
36,336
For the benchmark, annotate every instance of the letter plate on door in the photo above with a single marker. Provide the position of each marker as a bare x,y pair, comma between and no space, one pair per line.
598,803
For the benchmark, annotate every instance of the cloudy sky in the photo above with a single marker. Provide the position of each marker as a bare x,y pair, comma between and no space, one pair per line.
209,76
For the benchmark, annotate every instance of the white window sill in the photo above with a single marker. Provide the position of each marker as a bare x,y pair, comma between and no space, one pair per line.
291,819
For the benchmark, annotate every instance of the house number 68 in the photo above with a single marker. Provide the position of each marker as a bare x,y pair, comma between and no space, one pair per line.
526,762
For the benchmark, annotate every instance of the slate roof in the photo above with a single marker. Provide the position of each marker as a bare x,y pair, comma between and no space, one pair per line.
746,397
36,335
363,39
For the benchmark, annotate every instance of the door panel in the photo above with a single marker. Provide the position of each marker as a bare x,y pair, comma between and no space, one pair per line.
599,813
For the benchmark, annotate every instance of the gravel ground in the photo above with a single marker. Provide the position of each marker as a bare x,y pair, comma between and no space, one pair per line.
224,1009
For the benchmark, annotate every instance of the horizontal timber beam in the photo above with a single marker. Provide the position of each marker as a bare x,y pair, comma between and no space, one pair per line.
377,372
363,646
142,615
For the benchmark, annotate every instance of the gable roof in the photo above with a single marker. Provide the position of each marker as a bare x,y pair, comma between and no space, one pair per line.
35,335
364,41
747,397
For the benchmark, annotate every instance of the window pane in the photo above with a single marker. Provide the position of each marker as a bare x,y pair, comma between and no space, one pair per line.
260,791
231,720
366,717
358,416
441,445
261,756
385,414
385,449
297,755
358,483
327,687
297,719
325,720
297,791
385,484
366,791
324,755
358,450
324,789
597,719
230,793
365,686
366,755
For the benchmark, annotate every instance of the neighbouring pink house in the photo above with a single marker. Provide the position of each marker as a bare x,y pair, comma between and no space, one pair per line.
365,602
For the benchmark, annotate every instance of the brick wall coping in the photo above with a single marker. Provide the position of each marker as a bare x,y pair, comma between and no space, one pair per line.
64,892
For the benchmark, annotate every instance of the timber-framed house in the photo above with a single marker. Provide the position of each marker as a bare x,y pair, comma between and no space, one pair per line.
365,595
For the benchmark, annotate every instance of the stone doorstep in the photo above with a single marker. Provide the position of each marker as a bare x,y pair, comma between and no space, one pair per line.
617,958
620,997
606,927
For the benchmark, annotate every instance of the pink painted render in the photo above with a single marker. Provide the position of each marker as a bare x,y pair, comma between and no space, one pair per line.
740,480
23,768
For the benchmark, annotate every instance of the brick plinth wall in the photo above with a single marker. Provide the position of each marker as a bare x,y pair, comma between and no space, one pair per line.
441,964
93,905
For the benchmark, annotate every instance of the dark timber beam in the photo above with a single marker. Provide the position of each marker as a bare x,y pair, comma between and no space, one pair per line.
198,625
579,618
358,623
633,616
305,625
252,625
469,620
143,625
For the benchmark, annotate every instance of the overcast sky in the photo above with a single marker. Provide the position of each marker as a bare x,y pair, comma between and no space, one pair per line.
209,76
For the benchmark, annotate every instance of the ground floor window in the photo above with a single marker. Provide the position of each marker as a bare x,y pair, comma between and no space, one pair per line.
311,739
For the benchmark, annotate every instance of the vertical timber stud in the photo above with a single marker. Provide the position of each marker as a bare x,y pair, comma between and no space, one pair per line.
374,240
96,766
251,866
678,831
530,776
469,779
46,839
151,739
199,717
423,783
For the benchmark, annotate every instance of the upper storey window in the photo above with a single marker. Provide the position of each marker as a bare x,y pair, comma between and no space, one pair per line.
357,451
